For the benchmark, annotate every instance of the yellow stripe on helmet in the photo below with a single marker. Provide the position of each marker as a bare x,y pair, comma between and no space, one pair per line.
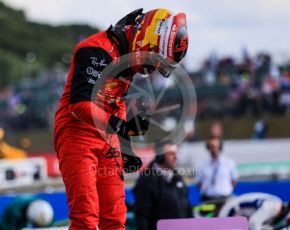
151,37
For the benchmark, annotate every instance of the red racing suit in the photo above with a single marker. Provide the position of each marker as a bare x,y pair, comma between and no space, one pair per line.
89,158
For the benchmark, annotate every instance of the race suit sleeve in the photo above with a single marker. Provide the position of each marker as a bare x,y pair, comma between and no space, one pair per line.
89,64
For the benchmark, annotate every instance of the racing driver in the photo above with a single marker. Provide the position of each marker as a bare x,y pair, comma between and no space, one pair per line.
88,129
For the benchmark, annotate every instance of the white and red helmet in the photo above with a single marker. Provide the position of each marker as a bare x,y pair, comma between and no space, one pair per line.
164,33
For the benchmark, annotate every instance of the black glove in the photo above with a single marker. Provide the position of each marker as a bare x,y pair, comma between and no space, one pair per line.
131,162
137,126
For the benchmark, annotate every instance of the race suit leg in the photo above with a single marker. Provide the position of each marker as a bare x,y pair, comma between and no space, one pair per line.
78,165
95,190
110,186
268,210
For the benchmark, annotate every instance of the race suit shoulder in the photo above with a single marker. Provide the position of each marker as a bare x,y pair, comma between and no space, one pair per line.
90,58
90,62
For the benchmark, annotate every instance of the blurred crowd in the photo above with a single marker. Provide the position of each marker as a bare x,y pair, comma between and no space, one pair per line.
251,86
225,87
31,103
